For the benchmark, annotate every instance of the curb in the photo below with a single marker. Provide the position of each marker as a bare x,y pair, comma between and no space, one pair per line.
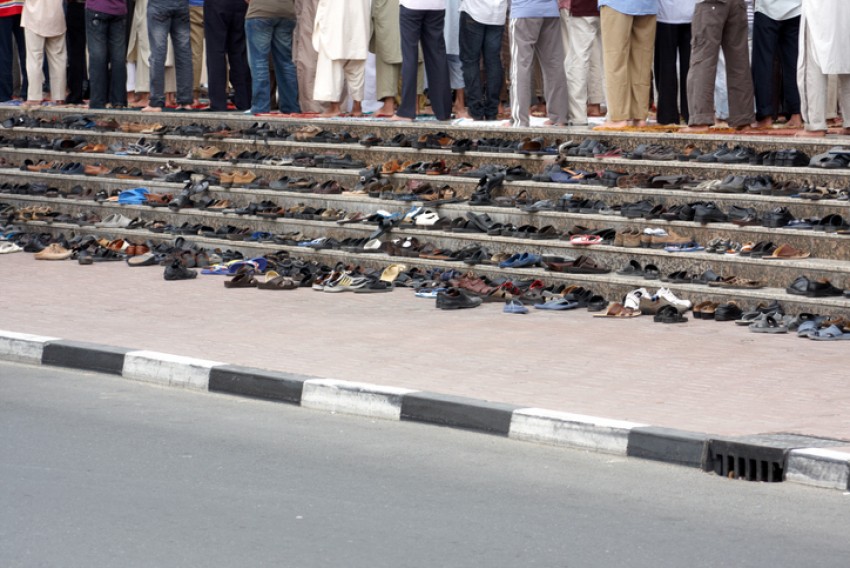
816,466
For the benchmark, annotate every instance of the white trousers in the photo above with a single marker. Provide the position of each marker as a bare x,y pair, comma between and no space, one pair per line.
582,39
57,62
332,75
814,88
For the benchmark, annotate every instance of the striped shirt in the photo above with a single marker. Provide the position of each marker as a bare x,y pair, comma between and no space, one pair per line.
11,7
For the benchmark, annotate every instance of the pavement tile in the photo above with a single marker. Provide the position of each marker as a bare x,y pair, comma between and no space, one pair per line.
703,376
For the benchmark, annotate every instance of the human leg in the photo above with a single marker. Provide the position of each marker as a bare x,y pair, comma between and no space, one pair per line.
181,39
493,69
616,36
765,42
550,53
285,73
707,32
196,26
433,43
56,52
410,24
35,60
666,73
640,66
739,78
471,41
523,33
789,46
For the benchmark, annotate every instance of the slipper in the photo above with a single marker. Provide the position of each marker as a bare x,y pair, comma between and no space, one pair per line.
391,272
585,240
669,314
768,324
515,307
617,310
831,333
559,304
807,327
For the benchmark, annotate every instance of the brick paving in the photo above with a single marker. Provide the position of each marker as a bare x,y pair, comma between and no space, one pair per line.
704,376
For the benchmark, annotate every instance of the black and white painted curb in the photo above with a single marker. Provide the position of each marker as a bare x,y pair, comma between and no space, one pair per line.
816,466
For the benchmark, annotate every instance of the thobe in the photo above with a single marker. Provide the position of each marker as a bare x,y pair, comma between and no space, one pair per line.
139,52
824,46
386,45
341,39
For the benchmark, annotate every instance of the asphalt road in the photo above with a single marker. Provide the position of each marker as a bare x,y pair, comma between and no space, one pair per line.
99,471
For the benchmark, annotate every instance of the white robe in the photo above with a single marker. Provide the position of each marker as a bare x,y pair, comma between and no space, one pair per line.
829,22
342,29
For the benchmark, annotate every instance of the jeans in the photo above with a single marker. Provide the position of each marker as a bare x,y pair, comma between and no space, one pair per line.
106,37
224,28
11,26
477,40
170,17
272,35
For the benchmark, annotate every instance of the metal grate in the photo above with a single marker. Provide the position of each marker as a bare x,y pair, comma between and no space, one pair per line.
737,460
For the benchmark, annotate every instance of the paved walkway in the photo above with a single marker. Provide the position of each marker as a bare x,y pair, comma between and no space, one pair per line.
704,376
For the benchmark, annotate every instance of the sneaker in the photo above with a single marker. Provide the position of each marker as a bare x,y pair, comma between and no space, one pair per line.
454,299
346,283
176,271
634,297
668,295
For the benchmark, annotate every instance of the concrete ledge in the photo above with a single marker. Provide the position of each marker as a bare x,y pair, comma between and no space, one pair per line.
85,356
353,398
22,347
668,445
819,467
168,370
257,383
458,412
574,430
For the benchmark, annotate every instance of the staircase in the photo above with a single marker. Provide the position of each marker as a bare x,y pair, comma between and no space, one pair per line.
830,255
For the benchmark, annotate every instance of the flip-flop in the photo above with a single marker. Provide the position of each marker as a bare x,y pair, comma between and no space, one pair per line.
831,333
768,324
559,304
515,307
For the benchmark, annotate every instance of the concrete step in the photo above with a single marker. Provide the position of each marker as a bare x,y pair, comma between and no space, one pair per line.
611,286
772,273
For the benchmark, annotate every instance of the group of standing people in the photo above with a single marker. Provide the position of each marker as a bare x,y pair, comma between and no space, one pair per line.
778,55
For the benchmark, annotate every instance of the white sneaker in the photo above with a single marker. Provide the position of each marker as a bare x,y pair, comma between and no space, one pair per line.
633,298
668,295
8,248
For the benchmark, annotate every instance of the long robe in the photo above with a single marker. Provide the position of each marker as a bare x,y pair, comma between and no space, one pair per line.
829,22
341,29
385,42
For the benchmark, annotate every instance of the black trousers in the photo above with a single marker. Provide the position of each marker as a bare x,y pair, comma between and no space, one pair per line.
425,26
672,43
75,36
769,37
224,29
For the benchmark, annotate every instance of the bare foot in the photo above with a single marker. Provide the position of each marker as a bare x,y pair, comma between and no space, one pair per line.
639,123
427,110
356,109
461,113
185,107
844,132
387,110
152,109
795,122
594,110
397,118
763,124
811,134
696,129
31,104
614,124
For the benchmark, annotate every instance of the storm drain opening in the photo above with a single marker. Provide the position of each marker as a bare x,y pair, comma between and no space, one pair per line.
737,460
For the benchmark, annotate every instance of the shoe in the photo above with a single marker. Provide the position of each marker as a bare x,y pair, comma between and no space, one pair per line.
514,307
53,251
802,286
176,271
455,298
667,294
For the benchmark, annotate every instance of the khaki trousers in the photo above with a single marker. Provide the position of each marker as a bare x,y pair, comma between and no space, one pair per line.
628,47
540,37
39,47
303,54
582,41
196,27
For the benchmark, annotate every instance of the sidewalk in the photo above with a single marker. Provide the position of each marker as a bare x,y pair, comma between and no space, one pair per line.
702,376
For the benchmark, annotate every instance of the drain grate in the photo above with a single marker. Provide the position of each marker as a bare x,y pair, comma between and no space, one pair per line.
760,457
738,460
